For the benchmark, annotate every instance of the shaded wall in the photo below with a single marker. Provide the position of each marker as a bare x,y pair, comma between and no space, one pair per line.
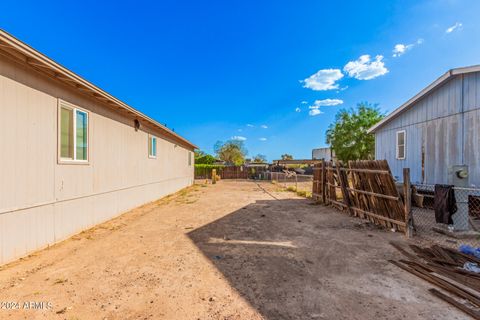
42,201
444,126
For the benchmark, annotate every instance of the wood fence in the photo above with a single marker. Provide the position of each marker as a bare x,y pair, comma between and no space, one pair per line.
229,172
364,189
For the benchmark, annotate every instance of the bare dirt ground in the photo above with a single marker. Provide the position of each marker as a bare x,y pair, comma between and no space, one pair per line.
234,250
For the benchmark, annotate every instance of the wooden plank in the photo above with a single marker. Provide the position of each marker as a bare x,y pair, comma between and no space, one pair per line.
380,217
324,181
333,185
403,251
379,195
338,203
343,180
407,191
365,170
473,313
439,282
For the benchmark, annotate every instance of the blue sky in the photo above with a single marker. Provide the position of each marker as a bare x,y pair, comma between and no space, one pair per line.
271,72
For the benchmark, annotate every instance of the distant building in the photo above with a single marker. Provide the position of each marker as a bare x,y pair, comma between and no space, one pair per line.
437,132
323,153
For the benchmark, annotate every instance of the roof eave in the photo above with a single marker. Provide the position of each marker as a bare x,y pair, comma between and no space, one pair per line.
446,76
37,59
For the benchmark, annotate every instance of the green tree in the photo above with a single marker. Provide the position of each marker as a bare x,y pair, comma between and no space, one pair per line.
260,158
202,157
232,151
287,156
348,135
199,154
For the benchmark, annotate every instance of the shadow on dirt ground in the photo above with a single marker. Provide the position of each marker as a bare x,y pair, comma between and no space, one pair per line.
259,256
291,259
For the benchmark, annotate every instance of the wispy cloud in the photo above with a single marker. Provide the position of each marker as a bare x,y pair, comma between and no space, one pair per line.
262,139
239,130
239,138
264,126
400,48
250,125
315,108
324,79
365,69
297,109
304,102
326,102
457,26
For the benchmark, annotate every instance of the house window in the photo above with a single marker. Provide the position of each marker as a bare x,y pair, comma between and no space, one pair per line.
189,159
73,133
152,147
401,144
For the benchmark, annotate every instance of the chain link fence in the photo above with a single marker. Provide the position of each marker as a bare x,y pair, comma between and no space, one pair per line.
466,220
302,184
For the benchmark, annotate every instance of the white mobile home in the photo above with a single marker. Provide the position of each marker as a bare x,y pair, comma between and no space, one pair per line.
72,155
437,132
323,153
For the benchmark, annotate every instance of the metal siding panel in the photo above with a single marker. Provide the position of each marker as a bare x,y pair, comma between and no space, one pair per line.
435,116
443,147
472,146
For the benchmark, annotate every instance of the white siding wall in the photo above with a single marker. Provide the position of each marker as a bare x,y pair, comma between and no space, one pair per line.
43,202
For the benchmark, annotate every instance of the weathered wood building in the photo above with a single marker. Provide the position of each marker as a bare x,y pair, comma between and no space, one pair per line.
72,155
437,132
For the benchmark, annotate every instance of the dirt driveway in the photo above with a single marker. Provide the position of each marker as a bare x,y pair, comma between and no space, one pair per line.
235,250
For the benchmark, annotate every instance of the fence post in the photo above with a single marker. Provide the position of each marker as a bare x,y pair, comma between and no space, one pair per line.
323,183
407,192
296,183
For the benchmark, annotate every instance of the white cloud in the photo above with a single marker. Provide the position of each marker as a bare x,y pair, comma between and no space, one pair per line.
401,48
239,138
297,109
262,139
314,112
365,69
323,80
456,26
250,125
326,102
315,108
264,126
304,102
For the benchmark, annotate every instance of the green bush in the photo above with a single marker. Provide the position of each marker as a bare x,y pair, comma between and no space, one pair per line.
305,194
204,171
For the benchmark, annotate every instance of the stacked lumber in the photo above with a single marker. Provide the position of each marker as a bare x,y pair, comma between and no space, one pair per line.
443,267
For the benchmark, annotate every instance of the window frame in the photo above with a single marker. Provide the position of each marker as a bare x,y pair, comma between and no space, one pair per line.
397,146
190,158
74,108
152,138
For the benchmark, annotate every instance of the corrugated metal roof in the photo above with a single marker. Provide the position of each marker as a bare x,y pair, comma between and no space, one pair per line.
18,50
442,79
